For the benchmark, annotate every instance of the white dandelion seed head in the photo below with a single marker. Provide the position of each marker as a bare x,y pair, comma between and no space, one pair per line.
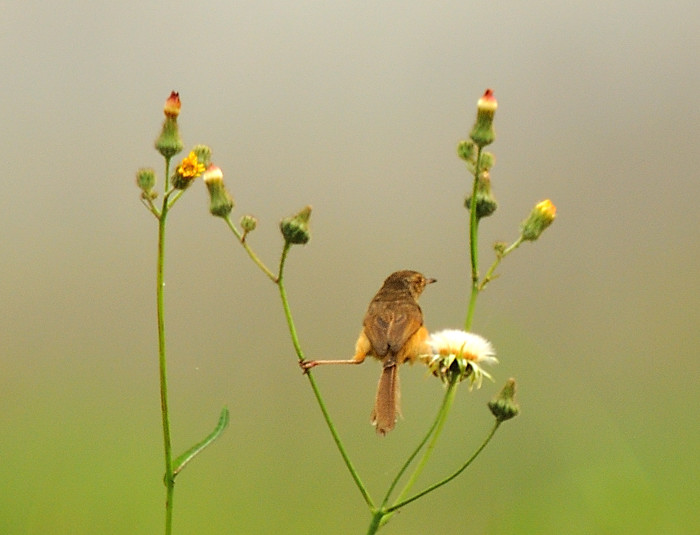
470,351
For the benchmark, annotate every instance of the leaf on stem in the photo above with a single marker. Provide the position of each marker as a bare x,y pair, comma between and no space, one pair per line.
180,462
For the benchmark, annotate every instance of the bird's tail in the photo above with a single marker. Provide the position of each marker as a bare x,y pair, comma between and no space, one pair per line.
386,408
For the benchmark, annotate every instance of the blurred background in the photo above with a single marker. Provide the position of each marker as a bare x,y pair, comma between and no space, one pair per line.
355,108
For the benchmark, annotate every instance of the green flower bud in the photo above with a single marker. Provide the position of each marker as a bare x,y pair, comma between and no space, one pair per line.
295,229
540,218
146,179
483,133
488,160
466,150
203,153
503,406
221,202
248,223
169,143
485,201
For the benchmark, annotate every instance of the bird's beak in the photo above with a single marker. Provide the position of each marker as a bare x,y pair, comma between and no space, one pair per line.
430,281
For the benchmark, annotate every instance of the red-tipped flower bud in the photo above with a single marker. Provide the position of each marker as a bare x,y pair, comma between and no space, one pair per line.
483,133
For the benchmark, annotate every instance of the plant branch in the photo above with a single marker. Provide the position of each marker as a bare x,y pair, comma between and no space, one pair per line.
254,257
300,355
451,477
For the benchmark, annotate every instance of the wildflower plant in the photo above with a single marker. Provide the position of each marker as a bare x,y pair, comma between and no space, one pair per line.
452,355
169,143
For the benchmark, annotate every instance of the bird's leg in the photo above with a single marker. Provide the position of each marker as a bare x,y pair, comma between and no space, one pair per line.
362,348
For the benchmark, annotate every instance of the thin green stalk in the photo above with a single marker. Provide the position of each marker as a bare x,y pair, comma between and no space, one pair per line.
254,257
440,423
489,274
300,354
162,363
473,245
451,477
412,456
437,424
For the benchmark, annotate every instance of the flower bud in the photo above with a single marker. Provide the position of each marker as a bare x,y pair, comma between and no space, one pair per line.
221,202
169,143
485,201
185,173
172,105
248,223
146,179
466,150
503,406
203,153
483,133
540,218
487,161
295,229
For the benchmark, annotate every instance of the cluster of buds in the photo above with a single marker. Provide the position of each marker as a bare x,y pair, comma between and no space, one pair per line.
480,162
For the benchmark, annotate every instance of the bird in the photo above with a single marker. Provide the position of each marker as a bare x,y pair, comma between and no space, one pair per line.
392,332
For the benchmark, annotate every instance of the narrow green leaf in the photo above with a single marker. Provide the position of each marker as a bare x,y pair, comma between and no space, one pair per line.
182,460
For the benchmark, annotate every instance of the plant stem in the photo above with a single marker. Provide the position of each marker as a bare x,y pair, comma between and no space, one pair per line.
319,399
474,245
451,477
250,252
376,522
489,274
162,364
439,424
437,427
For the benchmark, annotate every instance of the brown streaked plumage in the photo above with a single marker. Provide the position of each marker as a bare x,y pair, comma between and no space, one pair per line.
392,332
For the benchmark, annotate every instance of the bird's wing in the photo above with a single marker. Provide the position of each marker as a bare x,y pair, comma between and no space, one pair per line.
389,327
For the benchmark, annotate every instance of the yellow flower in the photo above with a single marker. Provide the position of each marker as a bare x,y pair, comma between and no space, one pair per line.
190,167
540,218
185,173
459,355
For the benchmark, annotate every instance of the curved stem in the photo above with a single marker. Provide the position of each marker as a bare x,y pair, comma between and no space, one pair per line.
384,513
412,456
250,252
162,363
451,477
489,274
319,399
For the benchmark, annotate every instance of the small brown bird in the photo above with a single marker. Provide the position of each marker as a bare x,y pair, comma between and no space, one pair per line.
392,332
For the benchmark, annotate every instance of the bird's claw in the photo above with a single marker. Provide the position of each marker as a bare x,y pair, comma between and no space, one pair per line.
306,365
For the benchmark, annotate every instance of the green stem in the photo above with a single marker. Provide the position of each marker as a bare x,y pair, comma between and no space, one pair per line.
250,252
319,399
376,522
473,245
489,274
437,428
162,363
411,457
439,424
451,477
